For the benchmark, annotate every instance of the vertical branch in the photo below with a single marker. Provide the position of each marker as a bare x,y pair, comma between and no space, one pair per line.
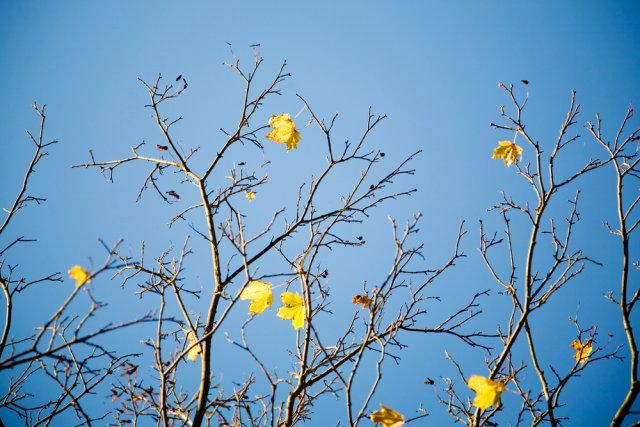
205,374
160,364
8,314
624,164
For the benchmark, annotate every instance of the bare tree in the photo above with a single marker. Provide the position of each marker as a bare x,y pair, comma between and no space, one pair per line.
302,239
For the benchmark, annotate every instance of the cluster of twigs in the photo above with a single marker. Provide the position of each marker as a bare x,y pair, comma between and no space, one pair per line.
65,360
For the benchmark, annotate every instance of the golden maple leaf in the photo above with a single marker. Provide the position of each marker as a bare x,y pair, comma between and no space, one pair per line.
583,350
250,195
487,391
387,417
194,351
293,309
508,151
260,295
81,275
284,130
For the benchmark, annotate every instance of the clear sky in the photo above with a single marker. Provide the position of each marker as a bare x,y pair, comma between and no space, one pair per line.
432,67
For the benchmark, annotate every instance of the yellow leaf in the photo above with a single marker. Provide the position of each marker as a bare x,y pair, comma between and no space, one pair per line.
194,351
81,275
284,130
293,309
487,391
260,295
387,417
583,350
508,151
250,195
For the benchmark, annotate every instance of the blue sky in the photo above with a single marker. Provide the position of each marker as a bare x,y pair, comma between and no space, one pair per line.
432,67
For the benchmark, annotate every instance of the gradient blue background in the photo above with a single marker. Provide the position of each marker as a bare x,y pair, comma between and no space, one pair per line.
432,67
